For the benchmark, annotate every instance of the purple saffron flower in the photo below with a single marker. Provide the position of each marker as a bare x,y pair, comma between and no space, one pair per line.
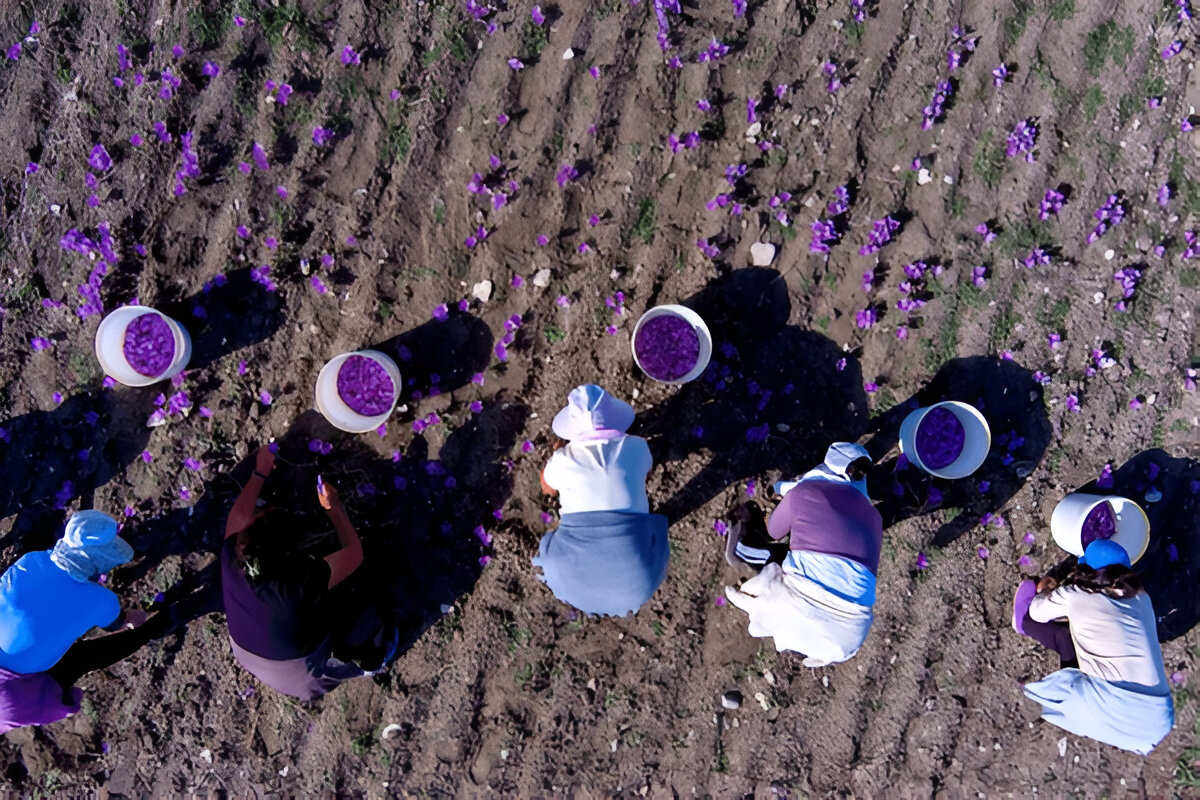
1172,50
210,70
566,173
979,276
1164,195
264,397
538,17
1051,203
99,158
1000,76
516,64
1072,404
281,191
880,235
1022,140
260,157
192,464
866,318
983,552
321,136
441,313
922,561
350,56
39,343
14,52
502,119
934,111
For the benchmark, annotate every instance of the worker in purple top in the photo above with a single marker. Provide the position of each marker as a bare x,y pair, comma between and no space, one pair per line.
283,608
820,555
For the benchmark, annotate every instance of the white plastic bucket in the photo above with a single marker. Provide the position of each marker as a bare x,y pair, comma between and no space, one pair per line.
977,440
334,408
110,347
698,325
1133,527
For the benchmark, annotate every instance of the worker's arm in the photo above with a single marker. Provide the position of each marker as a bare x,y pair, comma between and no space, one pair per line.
1050,606
779,524
350,557
241,516
547,489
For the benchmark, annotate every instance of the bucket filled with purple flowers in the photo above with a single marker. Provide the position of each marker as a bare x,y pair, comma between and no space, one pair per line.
672,344
1080,519
138,346
357,391
948,439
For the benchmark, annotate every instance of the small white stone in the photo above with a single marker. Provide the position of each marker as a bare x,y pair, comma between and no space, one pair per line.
755,129
923,177
391,731
762,254
1098,297
482,291
568,54
946,179
206,754
542,278
1108,254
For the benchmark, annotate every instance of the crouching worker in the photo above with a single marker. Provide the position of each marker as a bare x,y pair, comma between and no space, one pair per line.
289,617
609,554
1098,618
48,599
827,535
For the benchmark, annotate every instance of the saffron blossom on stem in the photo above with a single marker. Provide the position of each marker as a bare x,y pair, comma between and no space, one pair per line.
880,235
1051,203
936,109
1022,140
1108,215
1000,76
1128,278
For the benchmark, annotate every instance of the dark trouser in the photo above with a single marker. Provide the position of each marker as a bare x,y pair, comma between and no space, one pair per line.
1054,636
104,651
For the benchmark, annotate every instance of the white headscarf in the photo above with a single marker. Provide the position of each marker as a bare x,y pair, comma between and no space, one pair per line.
89,546
592,413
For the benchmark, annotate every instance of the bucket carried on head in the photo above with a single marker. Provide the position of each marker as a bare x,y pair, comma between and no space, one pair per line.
110,347
977,439
334,408
1132,524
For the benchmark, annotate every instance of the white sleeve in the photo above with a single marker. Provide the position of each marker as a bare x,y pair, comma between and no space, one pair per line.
553,471
641,461
1051,606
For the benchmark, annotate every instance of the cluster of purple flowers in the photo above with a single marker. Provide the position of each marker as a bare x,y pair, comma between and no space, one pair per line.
1128,278
1109,215
688,142
933,112
1193,244
824,234
322,136
985,230
917,273
1164,195
979,276
1052,203
1022,140
105,254
881,234
350,56
281,90
866,318
511,326
497,184
1172,50
959,49
858,10
566,173
190,162
714,51
477,237
829,70
1184,7
1000,76
1036,257
262,276
708,248
661,7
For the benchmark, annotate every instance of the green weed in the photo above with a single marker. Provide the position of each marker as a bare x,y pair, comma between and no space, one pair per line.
1060,10
988,163
533,40
553,334
1093,101
1107,42
521,676
439,211
1013,27
361,744
644,225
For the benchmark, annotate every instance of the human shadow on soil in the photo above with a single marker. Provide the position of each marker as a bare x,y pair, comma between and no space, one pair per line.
1170,567
1011,402
48,459
772,398
437,357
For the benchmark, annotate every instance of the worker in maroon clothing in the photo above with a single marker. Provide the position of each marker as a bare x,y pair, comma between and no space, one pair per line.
820,555
286,617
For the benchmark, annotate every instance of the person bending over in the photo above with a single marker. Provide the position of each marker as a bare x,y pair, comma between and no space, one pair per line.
286,616
1100,621
48,599
609,553
819,556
